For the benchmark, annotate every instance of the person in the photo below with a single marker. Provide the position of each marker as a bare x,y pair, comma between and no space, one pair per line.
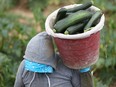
43,67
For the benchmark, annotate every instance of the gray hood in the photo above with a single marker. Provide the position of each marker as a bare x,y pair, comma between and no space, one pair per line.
40,49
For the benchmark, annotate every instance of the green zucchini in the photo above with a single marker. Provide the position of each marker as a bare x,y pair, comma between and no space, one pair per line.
96,22
93,19
61,14
78,28
88,29
81,7
67,14
72,19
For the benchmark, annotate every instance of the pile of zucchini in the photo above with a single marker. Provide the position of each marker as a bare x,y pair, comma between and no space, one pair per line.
76,20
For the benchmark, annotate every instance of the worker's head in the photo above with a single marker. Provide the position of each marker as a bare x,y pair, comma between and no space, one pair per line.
40,50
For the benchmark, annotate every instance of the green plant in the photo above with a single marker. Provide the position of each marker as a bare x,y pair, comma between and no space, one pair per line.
14,35
37,4
7,71
105,68
98,83
39,17
106,4
37,7
6,4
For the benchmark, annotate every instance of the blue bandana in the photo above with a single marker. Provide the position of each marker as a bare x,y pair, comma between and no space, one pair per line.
85,69
37,67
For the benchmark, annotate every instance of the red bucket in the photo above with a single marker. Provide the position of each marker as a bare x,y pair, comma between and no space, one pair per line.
79,53
79,50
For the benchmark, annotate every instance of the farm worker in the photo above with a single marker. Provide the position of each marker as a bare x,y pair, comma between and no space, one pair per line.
42,67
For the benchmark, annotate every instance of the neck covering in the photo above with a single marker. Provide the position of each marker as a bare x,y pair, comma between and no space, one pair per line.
37,67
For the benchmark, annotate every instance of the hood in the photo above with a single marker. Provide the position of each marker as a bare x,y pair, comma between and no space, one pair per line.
40,49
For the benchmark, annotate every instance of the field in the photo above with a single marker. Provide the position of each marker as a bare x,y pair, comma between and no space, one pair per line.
20,20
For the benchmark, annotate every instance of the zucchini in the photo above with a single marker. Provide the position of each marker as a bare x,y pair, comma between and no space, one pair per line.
68,14
81,7
72,19
88,29
93,19
78,28
61,14
96,22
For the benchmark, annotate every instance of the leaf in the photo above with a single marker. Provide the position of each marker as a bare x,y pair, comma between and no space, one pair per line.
38,15
10,26
3,58
100,63
5,33
98,83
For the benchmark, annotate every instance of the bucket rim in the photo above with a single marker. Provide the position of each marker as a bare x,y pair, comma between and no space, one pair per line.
50,21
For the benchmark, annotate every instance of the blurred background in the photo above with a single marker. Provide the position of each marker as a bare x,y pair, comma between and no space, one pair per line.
20,20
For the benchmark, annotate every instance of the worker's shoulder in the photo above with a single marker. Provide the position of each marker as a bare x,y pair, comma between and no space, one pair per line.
61,65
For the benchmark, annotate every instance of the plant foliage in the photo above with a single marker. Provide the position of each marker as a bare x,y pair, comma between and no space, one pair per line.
14,36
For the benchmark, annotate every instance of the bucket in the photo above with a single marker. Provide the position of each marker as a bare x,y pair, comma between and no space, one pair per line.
80,50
